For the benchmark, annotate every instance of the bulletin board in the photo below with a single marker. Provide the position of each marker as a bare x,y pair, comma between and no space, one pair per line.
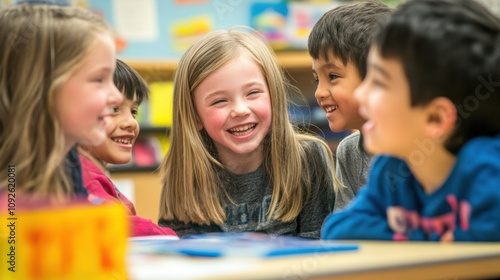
163,29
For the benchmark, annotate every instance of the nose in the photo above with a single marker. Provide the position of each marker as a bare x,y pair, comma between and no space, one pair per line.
360,92
321,92
240,109
128,122
115,97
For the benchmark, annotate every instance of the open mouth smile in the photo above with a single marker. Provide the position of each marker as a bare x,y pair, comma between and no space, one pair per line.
242,130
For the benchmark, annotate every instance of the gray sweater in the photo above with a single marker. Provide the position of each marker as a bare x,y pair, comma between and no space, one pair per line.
352,167
251,194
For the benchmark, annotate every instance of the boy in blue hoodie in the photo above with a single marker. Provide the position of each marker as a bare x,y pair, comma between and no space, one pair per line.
431,98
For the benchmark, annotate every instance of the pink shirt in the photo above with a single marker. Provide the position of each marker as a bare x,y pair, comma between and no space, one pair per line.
99,185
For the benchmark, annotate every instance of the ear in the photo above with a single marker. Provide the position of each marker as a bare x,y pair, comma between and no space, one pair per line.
199,124
442,117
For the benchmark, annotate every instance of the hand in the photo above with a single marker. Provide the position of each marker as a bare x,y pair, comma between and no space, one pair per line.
95,199
448,236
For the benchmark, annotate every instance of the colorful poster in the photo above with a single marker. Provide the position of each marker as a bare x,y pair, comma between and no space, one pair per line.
270,20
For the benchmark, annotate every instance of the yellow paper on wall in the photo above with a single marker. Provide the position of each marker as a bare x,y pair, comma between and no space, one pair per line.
187,31
161,103
81,241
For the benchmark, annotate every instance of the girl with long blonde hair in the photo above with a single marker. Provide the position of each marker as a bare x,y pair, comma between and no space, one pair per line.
236,163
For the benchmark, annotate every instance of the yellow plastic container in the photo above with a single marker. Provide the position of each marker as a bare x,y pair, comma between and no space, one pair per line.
77,241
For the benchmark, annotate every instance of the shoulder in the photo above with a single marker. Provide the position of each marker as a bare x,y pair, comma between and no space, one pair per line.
481,152
349,144
489,147
389,164
92,174
315,146
351,150
352,139
477,172
317,156
88,166
389,176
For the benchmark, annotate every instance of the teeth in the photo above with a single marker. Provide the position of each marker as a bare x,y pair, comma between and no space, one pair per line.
330,109
125,141
241,129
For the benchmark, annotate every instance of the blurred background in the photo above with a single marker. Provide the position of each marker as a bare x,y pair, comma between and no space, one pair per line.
151,35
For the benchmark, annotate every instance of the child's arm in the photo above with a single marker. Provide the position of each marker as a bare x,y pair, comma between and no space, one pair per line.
103,188
144,227
363,219
183,229
99,185
366,216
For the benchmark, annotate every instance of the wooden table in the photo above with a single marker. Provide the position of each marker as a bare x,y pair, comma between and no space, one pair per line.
373,260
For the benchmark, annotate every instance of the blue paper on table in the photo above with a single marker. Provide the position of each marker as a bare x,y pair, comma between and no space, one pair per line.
245,244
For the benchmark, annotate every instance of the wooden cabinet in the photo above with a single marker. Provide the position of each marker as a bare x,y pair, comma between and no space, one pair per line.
147,189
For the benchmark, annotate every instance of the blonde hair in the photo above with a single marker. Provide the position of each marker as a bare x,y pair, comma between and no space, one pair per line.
191,171
40,48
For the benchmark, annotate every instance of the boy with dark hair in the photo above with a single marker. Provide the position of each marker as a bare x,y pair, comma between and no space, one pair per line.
339,44
431,99
122,130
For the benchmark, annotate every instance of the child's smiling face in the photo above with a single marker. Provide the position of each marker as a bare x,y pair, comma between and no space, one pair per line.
336,83
88,96
234,106
122,130
393,126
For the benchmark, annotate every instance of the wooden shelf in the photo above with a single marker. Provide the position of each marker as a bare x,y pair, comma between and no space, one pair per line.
161,70
132,168
295,60
154,129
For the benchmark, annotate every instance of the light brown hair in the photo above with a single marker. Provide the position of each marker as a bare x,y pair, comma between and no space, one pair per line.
40,48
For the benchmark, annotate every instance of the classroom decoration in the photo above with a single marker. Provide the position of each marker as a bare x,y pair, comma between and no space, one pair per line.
160,104
270,20
186,31
301,18
286,25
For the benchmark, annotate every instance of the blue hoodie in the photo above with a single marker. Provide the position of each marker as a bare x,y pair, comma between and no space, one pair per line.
394,206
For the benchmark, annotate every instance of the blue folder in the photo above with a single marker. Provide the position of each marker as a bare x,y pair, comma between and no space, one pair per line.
245,244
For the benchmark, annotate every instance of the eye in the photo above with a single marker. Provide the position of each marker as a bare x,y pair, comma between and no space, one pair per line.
315,79
99,79
134,112
218,101
333,76
253,92
378,83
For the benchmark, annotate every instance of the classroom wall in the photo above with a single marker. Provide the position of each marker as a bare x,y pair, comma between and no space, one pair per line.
164,29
